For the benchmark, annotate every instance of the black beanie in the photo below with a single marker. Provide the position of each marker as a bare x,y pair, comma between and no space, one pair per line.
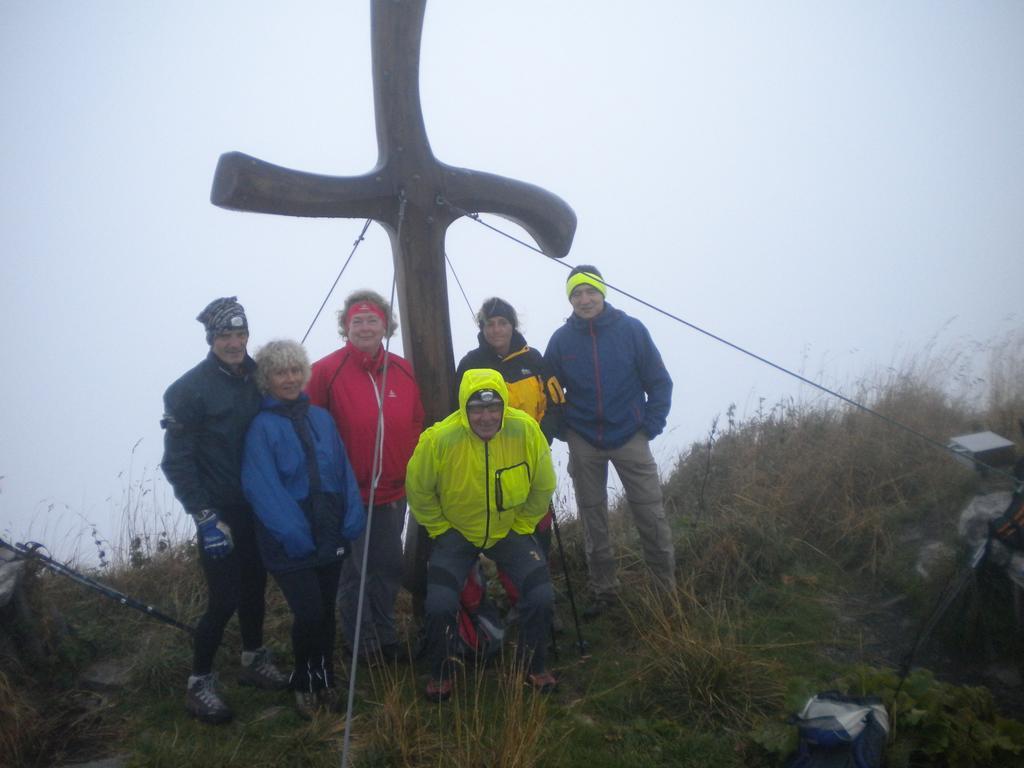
496,307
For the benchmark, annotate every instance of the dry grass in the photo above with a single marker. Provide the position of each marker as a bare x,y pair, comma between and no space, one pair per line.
150,524
836,477
16,713
42,720
496,720
698,665
1005,382
492,719
37,730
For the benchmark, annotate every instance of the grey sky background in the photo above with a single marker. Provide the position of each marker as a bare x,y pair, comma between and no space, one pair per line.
832,185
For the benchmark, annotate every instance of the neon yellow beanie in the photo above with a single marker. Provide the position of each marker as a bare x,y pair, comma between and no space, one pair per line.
587,278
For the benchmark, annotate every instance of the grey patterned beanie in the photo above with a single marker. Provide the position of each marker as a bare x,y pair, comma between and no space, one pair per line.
223,315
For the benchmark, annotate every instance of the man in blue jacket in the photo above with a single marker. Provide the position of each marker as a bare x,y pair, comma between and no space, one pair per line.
618,394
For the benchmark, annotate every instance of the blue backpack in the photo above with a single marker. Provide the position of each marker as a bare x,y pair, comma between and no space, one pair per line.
838,731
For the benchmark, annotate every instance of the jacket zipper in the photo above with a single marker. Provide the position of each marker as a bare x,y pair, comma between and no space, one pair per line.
487,494
380,438
597,382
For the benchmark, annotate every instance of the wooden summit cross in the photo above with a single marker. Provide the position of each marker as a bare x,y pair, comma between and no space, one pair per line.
405,167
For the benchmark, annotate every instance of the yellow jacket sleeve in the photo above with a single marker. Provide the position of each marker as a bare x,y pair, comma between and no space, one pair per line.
421,488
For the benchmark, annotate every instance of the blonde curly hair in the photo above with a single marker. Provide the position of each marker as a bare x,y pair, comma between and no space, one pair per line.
279,355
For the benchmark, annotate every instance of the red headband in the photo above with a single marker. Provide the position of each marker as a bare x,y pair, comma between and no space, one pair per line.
364,306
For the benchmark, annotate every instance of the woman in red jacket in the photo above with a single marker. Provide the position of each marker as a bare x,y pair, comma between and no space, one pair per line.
350,383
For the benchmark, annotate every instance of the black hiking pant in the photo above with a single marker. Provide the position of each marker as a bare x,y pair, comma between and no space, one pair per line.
310,593
236,582
521,560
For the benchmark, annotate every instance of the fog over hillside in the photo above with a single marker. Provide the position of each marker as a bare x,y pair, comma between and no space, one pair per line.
831,186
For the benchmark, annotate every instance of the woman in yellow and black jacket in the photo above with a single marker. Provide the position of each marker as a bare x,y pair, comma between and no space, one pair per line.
531,386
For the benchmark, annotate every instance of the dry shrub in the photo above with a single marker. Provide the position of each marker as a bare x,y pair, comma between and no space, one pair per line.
16,715
39,729
492,719
834,477
1005,398
396,731
151,523
172,580
510,740
698,665
741,546
88,625
160,659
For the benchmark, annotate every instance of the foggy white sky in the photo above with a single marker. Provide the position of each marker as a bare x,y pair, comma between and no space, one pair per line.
828,184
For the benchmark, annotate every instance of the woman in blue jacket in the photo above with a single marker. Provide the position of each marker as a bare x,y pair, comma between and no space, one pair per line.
297,477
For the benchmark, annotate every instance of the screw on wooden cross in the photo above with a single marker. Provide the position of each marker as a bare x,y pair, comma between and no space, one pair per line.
406,169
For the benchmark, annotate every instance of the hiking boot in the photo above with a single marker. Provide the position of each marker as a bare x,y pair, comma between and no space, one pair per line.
542,682
329,699
598,606
439,690
204,703
258,670
306,703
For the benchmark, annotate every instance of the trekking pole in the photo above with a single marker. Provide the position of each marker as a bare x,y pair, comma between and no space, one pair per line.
581,644
554,643
376,469
30,551
952,590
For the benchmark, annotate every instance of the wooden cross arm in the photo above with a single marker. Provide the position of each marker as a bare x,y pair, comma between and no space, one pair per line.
547,217
244,183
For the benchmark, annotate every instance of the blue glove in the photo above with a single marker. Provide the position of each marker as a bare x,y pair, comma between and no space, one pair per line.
214,534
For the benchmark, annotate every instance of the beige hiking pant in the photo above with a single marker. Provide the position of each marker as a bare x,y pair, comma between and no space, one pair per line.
638,472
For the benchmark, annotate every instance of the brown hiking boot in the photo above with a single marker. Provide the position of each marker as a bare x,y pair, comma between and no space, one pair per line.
439,690
258,670
329,699
542,682
306,703
204,703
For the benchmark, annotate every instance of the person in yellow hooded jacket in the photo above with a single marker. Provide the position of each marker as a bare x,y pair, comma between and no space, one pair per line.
479,482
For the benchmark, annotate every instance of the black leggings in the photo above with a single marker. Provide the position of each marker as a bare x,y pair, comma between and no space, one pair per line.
235,582
310,593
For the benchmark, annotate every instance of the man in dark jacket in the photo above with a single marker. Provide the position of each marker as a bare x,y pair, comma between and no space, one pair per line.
206,414
617,399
